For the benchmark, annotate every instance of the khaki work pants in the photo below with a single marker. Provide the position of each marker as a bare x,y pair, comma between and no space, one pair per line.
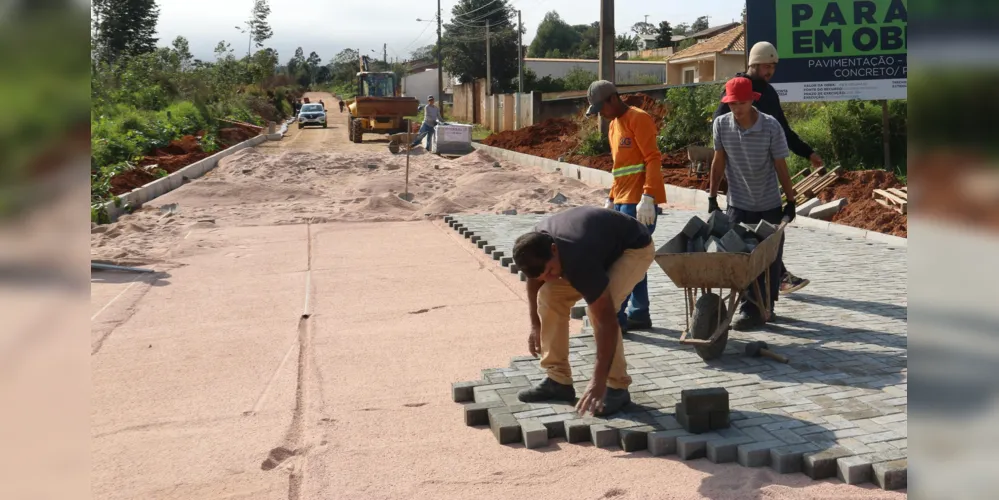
556,298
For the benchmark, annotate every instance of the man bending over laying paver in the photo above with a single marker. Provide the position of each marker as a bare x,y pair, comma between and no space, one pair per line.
591,253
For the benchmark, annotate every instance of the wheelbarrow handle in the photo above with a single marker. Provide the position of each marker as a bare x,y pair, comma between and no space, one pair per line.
773,355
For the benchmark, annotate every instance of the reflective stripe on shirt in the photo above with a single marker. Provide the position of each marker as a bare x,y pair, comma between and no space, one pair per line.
629,170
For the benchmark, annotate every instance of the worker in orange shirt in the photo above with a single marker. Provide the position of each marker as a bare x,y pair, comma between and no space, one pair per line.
638,187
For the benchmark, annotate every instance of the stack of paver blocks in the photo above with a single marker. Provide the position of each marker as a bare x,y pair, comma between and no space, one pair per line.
718,234
703,410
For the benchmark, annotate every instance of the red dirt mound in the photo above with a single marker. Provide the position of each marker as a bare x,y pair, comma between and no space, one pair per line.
184,145
649,105
236,135
861,210
550,130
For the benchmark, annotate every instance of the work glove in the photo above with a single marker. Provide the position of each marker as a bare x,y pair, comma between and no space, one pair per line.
609,204
789,209
646,210
713,204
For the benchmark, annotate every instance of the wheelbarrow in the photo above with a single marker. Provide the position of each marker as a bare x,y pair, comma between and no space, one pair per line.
702,274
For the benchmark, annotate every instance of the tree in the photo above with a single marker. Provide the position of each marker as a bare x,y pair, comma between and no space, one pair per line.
682,29
297,63
554,34
700,24
183,50
625,42
643,28
260,30
345,65
743,13
123,28
463,45
312,66
425,53
664,37
589,45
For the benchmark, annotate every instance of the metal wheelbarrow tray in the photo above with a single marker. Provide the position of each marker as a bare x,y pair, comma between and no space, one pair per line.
708,317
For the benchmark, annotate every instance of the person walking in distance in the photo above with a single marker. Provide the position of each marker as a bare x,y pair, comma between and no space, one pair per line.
762,65
431,116
751,152
638,188
597,255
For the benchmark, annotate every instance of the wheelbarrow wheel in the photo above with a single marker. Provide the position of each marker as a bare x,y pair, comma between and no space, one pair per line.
709,310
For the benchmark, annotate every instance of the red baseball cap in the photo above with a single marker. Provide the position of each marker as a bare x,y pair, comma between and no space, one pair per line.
740,89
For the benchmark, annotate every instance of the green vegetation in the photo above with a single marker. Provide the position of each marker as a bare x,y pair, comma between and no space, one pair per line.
846,133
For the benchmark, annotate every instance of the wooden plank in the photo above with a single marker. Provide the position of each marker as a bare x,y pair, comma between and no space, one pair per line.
888,199
889,196
899,193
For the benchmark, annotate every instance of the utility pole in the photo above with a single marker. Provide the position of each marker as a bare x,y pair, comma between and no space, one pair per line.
606,50
440,65
646,19
489,66
385,53
520,71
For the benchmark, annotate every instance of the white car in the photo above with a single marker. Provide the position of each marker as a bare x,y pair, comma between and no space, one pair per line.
312,114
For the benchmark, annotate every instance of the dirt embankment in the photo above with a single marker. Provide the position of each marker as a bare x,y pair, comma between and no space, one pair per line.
175,156
861,210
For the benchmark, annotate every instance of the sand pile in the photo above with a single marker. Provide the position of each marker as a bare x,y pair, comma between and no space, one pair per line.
256,188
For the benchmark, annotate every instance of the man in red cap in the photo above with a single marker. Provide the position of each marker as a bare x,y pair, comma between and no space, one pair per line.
763,60
751,152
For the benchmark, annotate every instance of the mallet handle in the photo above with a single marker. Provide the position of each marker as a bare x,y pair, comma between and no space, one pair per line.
773,355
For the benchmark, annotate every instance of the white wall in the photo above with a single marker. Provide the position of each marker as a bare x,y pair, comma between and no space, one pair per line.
420,85
626,72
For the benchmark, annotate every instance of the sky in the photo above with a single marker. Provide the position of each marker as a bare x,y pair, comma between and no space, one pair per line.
327,27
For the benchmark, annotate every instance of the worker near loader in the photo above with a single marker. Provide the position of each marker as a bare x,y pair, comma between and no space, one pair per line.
751,152
431,115
762,65
597,255
638,188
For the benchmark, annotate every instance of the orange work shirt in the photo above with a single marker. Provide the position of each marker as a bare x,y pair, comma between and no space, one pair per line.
637,160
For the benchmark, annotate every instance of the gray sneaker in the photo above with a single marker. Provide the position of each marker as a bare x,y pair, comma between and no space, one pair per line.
614,401
548,390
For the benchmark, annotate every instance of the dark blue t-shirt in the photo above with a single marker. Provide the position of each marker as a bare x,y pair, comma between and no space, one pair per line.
589,240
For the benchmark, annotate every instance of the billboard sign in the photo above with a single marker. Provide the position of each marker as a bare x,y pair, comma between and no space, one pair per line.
834,50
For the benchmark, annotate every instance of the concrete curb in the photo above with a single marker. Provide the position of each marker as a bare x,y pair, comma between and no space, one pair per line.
141,195
687,197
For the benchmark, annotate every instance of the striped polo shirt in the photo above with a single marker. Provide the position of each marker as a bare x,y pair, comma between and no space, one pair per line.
749,164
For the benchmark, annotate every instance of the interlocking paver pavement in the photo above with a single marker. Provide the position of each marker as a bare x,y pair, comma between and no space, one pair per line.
844,389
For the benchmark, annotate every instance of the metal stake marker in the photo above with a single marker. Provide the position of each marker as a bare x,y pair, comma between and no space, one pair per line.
409,141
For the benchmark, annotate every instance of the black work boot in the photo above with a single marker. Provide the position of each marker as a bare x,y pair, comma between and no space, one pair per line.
614,401
548,390
639,324
747,320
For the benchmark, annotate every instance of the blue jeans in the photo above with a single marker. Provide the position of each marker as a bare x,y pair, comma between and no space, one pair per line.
638,309
426,130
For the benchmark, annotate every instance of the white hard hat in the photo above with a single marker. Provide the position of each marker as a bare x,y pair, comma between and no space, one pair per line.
763,53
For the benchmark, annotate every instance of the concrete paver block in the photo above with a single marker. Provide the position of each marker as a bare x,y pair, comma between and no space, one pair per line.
474,238
828,210
822,464
695,446
577,312
704,400
635,438
694,227
807,206
713,245
478,413
535,433
694,423
756,454
498,254
733,243
556,424
663,443
463,391
719,224
891,475
857,469
577,430
481,243
788,459
506,261
726,450
505,427
718,420
604,436
764,229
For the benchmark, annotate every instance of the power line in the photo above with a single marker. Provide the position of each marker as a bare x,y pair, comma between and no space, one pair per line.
475,10
417,38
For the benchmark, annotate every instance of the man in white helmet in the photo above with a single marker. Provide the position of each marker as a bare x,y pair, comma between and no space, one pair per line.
762,65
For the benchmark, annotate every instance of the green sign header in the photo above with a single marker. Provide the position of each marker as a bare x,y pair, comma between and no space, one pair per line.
841,28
